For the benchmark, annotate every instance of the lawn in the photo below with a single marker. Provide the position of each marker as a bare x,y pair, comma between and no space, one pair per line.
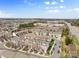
25,48
78,52
8,44
63,49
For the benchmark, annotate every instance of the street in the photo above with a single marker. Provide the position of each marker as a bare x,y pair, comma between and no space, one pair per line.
56,49
73,30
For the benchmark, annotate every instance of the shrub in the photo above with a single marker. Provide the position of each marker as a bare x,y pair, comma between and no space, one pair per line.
26,25
68,40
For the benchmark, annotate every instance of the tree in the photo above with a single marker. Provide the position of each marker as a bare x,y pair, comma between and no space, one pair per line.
26,25
68,40
65,32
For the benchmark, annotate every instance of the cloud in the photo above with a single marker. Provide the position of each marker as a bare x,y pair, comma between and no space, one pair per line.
47,2
47,7
29,2
39,6
61,0
61,6
25,1
51,7
73,9
6,15
76,9
55,11
54,2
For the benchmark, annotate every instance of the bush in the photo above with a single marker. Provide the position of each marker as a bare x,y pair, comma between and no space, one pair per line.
68,40
78,52
8,44
41,53
35,51
75,23
65,32
50,46
26,25
31,50
26,48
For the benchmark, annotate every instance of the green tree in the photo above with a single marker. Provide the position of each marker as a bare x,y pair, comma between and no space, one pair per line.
68,40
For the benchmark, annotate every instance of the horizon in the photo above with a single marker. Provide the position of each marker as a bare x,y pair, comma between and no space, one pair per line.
48,9
40,18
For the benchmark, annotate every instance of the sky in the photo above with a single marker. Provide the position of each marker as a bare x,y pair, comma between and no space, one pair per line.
66,9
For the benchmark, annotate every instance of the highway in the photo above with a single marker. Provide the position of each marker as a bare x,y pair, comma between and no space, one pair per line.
73,30
56,49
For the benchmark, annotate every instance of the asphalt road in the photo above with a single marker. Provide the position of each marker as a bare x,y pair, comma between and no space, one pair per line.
4,53
56,49
73,30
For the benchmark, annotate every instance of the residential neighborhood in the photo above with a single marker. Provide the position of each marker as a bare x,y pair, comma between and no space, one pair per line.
44,39
39,29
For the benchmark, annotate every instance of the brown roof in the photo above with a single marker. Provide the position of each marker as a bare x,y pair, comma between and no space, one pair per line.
72,50
71,47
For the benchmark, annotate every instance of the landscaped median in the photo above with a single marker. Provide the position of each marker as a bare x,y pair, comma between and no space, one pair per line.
65,33
51,46
62,50
8,45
